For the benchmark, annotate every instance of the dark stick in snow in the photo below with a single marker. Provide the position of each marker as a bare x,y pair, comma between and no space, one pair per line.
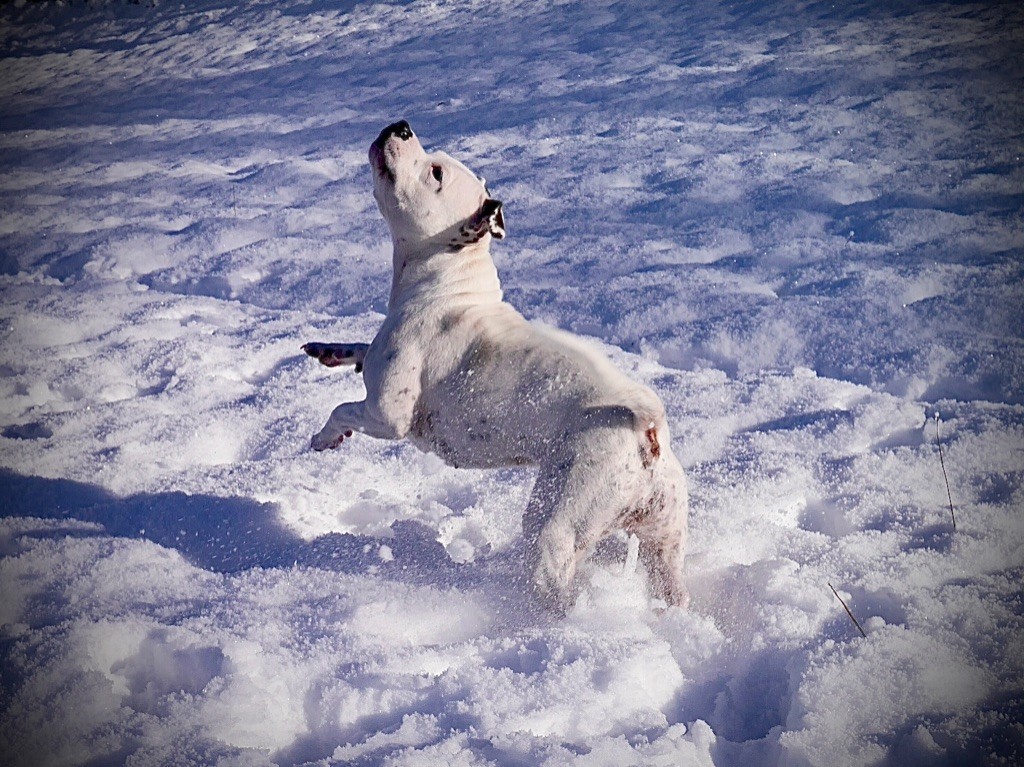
942,463
855,621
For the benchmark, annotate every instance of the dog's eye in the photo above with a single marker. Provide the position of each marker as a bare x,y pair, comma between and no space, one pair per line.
437,172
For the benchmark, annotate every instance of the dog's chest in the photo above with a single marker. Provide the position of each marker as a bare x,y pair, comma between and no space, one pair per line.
465,418
459,444
454,425
489,392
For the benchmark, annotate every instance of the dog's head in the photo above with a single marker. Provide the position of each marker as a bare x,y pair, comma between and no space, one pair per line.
430,199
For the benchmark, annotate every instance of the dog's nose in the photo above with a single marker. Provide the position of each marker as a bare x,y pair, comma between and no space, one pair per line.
400,129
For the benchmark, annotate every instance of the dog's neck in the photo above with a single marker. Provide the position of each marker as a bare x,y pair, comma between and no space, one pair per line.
466,275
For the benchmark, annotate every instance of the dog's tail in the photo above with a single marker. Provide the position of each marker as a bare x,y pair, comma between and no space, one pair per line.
650,425
642,412
653,432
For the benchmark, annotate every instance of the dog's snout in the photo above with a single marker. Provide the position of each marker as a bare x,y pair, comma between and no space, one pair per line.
401,129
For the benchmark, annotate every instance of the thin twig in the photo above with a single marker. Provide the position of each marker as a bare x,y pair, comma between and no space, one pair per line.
855,622
942,463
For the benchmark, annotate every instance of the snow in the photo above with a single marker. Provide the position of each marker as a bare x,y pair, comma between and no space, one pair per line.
800,223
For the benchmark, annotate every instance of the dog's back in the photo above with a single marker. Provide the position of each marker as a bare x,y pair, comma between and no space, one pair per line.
498,390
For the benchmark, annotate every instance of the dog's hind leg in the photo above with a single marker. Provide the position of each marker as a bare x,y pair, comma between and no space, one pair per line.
660,522
551,570
553,545
333,355
662,557
576,499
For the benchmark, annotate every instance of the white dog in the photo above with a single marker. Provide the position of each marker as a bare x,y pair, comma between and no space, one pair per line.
463,375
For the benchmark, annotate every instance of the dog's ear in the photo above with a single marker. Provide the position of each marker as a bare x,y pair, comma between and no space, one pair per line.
492,216
488,219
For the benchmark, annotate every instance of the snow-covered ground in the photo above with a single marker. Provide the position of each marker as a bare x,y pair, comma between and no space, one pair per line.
801,222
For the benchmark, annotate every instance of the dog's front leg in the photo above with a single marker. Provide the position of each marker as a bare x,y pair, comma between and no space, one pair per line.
387,411
351,417
343,422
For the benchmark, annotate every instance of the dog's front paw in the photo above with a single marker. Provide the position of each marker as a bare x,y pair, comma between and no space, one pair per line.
328,440
334,355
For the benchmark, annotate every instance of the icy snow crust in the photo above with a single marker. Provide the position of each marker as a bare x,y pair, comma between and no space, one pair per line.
801,223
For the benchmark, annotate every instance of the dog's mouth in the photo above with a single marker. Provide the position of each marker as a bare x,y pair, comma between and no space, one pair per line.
379,155
379,164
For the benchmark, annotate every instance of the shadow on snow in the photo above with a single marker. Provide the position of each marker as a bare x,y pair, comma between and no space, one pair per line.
230,535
